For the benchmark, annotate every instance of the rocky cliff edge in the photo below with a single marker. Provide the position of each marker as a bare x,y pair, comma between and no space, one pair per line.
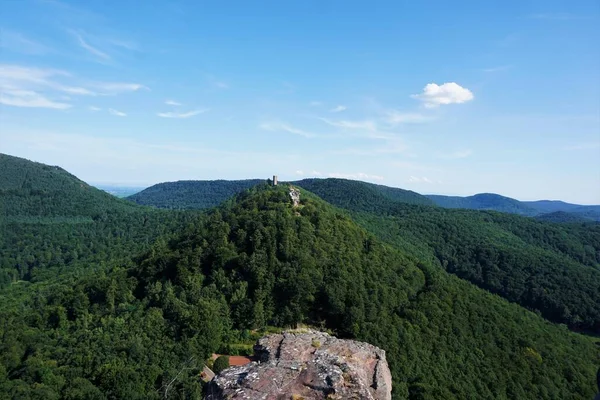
307,365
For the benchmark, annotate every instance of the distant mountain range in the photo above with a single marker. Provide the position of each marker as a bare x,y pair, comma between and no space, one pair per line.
547,208
360,195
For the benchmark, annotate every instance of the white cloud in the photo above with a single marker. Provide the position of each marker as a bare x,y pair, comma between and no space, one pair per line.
182,115
417,179
397,117
315,173
280,126
23,86
172,103
91,49
28,98
448,93
357,176
116,112
365,125
299,172
221,85
315,103
93,108
112,88
337,109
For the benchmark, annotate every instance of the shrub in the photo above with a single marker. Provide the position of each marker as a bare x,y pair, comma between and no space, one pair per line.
221,363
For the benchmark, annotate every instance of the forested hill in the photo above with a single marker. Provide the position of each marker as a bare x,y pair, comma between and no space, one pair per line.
32,190
191,194
496,202
485,201
206,194
551,268
259,261
363,196
52,223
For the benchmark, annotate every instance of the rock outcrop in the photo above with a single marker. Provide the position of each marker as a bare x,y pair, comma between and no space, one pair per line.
295,196
307,365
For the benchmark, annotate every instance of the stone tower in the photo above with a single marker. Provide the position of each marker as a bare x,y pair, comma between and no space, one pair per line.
274,180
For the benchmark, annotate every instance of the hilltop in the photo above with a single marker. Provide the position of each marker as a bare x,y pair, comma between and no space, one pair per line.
191,194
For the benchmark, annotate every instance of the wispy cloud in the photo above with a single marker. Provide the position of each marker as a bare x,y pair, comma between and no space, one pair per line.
499,68
434,95
368,125
315,103
337,109
23,86
281,126
112,88
172,103
94,108
356,176
182,114
419,179
91,49
117,113
28,98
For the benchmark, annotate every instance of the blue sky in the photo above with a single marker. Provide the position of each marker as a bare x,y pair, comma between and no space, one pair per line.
438,97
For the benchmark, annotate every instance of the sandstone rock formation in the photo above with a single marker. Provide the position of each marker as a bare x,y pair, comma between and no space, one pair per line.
307,365
295,195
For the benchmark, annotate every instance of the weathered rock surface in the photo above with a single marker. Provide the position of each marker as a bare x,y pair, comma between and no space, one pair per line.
307,365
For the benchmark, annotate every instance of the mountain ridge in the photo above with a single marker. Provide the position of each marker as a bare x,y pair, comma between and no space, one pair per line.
202,194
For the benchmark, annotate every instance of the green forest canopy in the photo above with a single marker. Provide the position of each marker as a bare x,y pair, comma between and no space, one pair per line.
91,322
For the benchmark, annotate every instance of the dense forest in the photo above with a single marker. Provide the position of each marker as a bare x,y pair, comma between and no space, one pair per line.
124,301
191,194
258,261
52,223
551,268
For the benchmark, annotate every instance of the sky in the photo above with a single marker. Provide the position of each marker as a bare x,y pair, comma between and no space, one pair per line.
437,97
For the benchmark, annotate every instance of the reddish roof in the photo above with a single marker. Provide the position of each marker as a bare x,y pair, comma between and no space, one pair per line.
235,360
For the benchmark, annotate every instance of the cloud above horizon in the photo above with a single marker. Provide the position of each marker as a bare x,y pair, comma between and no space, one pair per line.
116,113
337,109
182,115
22,86
434,95
281,126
